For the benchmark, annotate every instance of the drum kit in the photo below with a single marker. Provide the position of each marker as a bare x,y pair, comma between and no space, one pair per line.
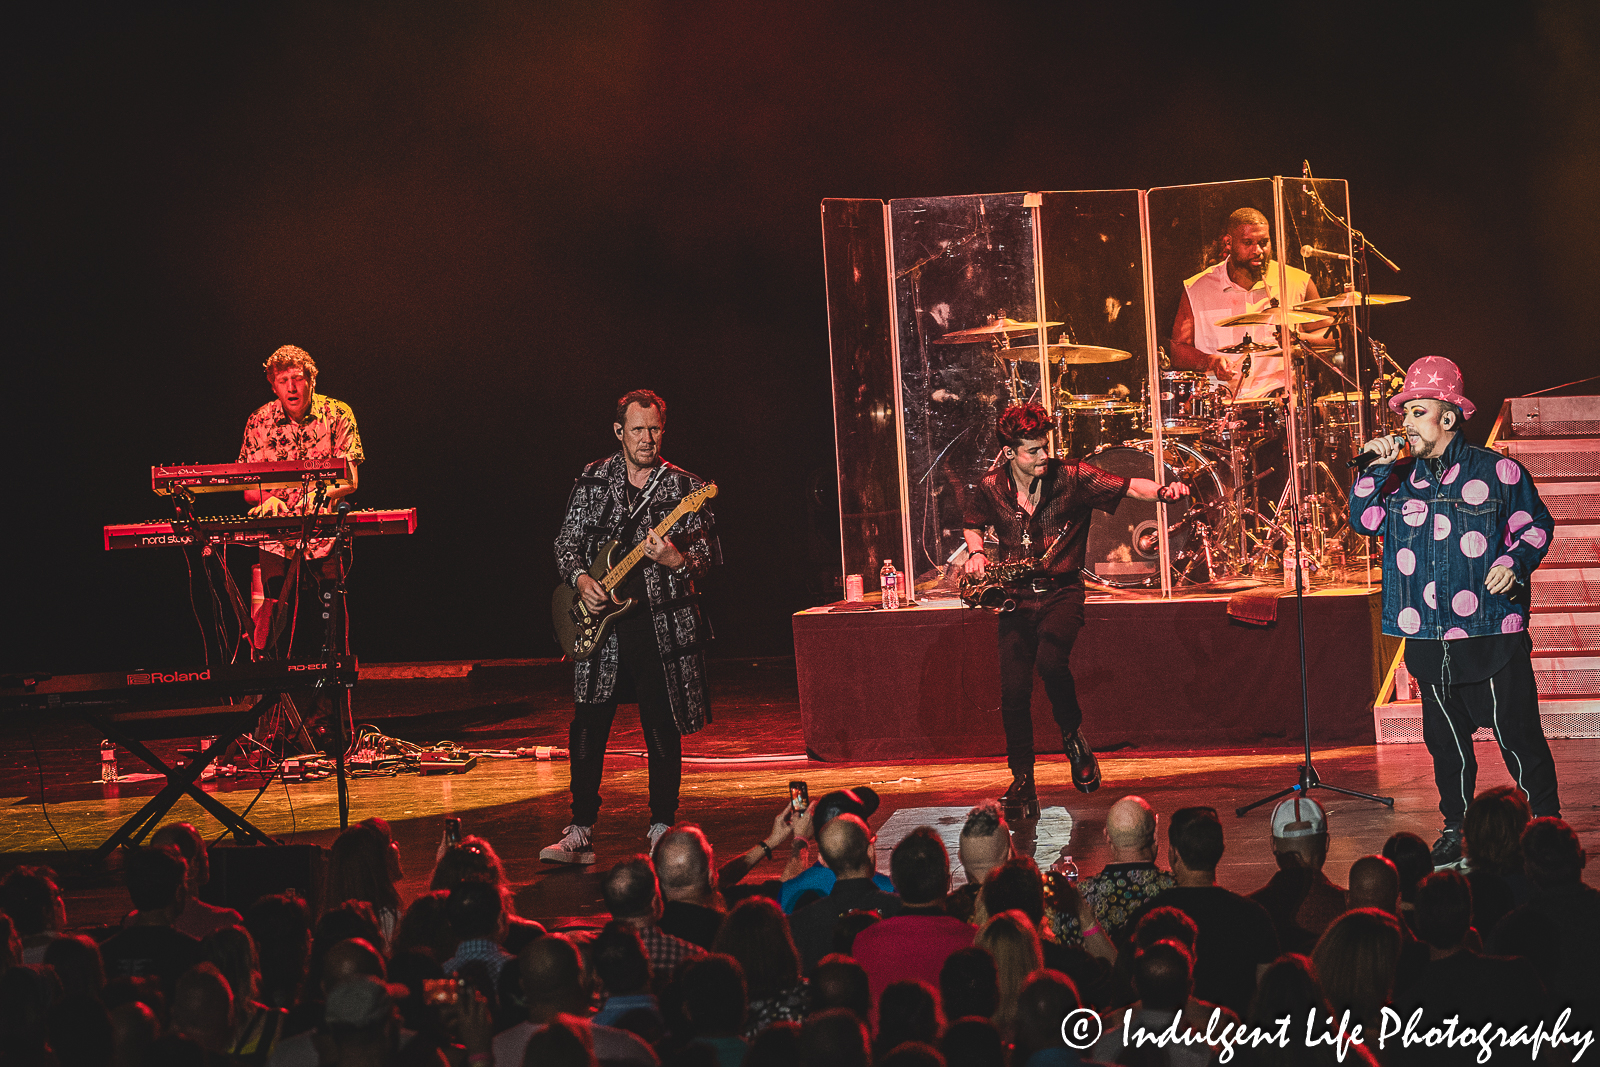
1233,453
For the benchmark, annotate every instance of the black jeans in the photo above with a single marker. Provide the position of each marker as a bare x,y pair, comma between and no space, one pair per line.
1508,703
639,662
1038,634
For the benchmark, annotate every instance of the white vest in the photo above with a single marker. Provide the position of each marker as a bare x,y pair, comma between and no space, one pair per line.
1213,295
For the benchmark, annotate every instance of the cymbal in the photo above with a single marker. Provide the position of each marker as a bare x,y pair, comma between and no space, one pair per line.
991,329
1250,346
1350,300
1271,317
1070,354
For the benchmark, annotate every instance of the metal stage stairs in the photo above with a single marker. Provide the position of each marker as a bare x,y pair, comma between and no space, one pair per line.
1558,440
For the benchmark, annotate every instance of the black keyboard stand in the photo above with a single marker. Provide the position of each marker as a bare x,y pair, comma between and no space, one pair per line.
181,780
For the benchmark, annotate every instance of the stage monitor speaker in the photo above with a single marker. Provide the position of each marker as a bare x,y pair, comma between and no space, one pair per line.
243,874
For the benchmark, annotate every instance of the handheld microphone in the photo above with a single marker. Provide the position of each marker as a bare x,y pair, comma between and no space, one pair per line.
1310,251
1364,459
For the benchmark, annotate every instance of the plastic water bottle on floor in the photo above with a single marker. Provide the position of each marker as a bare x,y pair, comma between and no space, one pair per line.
889,581
108,761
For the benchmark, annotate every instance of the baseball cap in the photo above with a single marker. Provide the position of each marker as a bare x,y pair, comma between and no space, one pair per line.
1298,816
860,801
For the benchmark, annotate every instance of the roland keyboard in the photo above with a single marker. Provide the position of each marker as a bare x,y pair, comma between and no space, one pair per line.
172,687
242,530
235,477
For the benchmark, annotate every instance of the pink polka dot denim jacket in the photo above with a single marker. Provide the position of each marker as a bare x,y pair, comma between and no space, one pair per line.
1444,524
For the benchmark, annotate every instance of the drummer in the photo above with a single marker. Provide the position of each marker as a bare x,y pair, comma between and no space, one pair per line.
1245,281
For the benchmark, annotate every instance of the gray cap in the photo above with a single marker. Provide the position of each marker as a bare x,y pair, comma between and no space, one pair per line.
1298,817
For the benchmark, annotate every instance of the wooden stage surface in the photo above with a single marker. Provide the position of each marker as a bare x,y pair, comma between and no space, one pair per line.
521,805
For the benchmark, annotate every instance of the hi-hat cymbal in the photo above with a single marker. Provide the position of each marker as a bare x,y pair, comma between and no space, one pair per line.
1069,354
1271,317
1350,300
1249,346
993,328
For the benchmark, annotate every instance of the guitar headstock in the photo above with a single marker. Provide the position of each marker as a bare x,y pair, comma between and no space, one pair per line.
697,499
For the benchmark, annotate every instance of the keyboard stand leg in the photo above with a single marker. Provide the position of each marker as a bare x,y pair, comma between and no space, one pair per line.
180,782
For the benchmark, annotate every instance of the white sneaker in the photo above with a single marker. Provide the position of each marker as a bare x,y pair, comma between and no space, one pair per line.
574,847
658,830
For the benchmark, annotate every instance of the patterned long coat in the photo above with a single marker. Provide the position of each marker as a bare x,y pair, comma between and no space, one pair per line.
596,512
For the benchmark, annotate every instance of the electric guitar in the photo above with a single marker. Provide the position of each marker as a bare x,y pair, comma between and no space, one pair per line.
581,630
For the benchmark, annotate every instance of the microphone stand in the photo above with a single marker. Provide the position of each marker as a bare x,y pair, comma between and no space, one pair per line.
1308,779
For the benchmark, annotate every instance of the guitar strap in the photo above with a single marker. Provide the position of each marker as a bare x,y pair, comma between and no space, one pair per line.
644,495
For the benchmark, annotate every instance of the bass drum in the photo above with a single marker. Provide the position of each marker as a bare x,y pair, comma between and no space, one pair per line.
1124,549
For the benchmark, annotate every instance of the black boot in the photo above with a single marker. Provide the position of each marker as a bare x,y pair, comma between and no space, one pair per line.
1447,850
1085,768
1021,801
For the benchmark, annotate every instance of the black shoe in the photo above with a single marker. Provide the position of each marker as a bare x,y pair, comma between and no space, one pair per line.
1085,768
1447,850
1021,801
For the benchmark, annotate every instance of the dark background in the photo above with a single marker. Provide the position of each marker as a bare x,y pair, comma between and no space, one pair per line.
487,220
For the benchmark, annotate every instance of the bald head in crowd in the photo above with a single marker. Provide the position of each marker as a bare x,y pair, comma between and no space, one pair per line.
553,979
632,891
684,862
846,846
985,842
1374,883
1131,831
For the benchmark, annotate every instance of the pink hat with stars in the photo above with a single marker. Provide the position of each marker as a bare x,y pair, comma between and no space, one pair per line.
1433,378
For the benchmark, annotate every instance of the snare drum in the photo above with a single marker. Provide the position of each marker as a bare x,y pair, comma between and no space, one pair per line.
1188,402
1248,420
1090,425
1337,411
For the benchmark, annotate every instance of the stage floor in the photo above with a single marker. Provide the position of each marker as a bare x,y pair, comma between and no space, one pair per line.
521,805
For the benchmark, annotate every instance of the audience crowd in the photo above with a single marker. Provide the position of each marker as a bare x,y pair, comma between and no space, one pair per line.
833,965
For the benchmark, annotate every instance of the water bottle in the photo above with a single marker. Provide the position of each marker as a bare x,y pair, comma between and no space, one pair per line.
1308,563
1405,687
889,580
209,771
108,761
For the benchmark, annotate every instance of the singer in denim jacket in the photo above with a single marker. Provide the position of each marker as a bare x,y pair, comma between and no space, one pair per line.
1445,522
1463,529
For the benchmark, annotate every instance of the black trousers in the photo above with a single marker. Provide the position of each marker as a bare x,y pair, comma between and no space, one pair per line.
303,635
304,630
1039,634
639,664
1508,703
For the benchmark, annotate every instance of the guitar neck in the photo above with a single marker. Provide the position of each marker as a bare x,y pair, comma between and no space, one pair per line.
615,576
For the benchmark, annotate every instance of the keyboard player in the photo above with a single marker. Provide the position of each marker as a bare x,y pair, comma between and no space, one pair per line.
299,424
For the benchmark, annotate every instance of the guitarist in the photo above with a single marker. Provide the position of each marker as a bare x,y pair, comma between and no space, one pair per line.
655,653
1038,508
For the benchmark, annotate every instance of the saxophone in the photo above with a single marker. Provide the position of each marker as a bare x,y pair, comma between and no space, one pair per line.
988,590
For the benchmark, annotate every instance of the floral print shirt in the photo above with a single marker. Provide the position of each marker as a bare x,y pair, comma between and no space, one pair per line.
327,432
1115,894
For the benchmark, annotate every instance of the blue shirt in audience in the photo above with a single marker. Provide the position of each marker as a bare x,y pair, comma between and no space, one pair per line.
820,878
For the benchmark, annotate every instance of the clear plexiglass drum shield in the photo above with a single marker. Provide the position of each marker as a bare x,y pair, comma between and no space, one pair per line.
960,263
865,399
